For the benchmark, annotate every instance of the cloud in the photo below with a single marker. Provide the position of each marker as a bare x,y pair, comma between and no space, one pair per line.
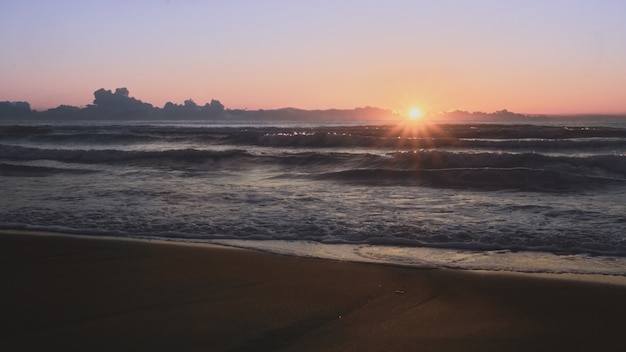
14,109
190,108
120,102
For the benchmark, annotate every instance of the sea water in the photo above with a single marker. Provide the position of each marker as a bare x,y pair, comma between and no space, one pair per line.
532,197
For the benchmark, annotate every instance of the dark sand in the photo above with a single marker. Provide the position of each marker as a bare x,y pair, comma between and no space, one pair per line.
79,294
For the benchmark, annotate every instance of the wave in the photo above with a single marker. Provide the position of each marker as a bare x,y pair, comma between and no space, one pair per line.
486,178
40,135
423,159
601,166
91,156
486,170
485,136
385,236
609,165
412,143
34,171
462,187
544,145
24,130
482,156
321,141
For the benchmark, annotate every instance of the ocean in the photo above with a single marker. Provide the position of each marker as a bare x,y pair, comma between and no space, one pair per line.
547,197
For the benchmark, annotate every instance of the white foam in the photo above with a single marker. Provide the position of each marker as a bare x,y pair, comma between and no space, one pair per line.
497,260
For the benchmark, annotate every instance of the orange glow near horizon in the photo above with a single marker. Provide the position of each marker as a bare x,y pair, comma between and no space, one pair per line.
323,62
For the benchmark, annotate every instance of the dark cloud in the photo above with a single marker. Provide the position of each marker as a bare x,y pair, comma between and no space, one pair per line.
191,109
15,108
120,102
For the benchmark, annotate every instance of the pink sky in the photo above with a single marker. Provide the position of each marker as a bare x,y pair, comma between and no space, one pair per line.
525,56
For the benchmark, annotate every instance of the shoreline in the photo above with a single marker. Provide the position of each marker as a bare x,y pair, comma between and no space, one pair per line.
236,245
86,293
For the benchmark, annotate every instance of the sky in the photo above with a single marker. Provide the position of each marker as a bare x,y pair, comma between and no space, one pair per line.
526,56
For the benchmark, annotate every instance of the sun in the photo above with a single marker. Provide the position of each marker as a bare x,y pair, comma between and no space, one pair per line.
415,113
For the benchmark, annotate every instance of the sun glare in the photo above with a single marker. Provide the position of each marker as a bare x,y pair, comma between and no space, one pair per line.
415,113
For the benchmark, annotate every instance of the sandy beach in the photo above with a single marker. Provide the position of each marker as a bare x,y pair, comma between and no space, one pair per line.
88,294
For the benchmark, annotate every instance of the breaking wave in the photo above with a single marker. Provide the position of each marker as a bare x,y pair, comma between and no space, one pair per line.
94,156
474,187
437,168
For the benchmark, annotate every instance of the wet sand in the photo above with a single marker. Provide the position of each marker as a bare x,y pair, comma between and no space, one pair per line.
89,294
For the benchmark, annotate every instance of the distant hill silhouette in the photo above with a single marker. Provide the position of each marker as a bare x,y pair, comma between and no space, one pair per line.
108,105
501,115
119,105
